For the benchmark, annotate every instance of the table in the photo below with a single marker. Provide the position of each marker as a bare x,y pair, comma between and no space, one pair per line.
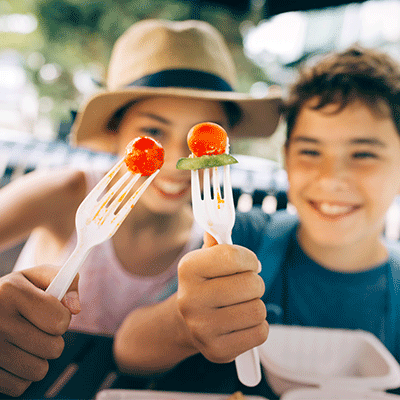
86,366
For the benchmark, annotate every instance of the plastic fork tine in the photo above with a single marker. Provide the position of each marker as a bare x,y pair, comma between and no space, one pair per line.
216,187
206,187
228,194
104,207
196,192
121,196
209,202
123,212
114,189
102,185
96,221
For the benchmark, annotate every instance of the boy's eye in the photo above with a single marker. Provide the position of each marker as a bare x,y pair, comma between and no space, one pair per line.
364,154
309,152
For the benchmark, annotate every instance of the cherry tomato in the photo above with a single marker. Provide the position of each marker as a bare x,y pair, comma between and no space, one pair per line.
207,138
144,155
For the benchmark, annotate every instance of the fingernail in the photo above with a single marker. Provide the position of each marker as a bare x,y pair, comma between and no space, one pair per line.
71,300
259,267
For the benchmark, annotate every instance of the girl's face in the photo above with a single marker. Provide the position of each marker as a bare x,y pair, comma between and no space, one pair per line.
344,173
168,120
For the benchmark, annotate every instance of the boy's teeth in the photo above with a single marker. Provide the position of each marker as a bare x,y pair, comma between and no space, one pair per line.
171,187
333,209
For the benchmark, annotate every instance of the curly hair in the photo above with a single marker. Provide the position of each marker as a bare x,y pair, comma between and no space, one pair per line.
367,75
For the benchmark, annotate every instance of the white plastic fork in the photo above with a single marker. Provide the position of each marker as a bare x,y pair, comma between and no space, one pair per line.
96,220
216,215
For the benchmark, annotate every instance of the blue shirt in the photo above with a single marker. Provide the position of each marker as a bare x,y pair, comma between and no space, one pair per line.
316,296
299,291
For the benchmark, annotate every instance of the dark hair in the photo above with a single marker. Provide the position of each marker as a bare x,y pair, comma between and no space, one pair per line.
232,110
366,75
115,121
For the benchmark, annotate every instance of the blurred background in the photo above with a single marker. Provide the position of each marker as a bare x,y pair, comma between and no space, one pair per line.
54,54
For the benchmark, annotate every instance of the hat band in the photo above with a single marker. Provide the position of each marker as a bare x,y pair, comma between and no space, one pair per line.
184,78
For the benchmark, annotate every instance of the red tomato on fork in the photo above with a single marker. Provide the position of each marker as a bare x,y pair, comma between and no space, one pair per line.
207,138
144,155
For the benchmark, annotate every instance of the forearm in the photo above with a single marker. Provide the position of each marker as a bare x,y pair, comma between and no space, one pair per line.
153,340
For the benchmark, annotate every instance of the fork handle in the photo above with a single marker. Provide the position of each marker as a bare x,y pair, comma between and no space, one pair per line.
248,367
248,363
62,281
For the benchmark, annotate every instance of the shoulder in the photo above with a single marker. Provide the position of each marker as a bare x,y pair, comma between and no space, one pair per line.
42,189
256,227
52,194
394,258
53,180
67,180
258,221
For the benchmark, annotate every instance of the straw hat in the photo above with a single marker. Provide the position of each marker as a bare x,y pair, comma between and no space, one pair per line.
186,59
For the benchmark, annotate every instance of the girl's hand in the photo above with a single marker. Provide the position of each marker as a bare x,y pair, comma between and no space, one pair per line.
219,298
31,325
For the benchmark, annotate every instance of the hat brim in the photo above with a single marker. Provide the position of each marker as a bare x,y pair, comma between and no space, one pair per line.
260,116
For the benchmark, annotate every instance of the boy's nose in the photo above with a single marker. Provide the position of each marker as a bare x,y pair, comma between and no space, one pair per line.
332,184
333,176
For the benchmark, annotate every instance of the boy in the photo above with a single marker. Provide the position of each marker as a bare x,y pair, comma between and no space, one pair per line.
328,266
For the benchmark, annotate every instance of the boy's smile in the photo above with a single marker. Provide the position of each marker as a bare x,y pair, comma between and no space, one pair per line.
333,210
344,172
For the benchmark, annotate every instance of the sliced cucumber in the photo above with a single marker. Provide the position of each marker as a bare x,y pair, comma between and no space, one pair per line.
205,161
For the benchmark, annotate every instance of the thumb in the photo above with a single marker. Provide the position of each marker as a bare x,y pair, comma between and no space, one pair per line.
208,240
71,301
42,276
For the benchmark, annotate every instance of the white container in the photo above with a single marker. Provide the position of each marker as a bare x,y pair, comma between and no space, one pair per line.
352,361
320,394
130,394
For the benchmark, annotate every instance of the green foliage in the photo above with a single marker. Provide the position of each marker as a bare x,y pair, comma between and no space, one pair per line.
77,34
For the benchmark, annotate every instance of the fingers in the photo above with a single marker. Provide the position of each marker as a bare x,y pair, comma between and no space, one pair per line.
22,364
219,298
22,334
222,334
226,348
228,290
31,325
71,301
39,308
223,321
42,276
215,261
12,385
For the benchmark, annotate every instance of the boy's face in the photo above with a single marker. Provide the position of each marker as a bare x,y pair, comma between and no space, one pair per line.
344,172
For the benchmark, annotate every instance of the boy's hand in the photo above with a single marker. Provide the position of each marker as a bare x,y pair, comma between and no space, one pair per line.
31,325
219,299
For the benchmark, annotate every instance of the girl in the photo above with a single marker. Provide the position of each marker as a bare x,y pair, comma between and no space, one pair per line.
164,77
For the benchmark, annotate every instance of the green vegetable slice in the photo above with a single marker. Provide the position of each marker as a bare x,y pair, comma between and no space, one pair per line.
205,161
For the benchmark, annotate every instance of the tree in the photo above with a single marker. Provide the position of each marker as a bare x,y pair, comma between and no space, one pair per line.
74,35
